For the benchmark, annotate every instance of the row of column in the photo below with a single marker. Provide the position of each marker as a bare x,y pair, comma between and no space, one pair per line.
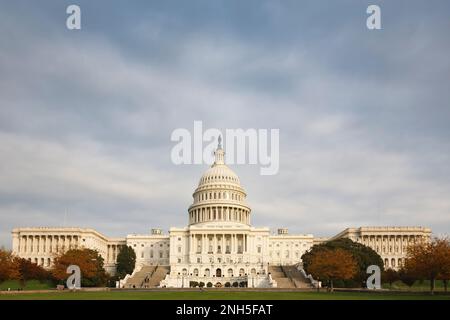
218,243
47,243
112,251
390,243
220,213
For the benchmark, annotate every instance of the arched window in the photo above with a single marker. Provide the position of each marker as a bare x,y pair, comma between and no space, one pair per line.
207,272
196,272
241,272
184,272
230,272
386,263
393,263
253,272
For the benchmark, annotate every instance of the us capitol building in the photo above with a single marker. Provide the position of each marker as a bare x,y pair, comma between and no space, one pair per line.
218,245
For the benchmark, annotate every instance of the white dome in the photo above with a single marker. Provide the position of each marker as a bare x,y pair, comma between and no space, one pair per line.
219,173
219,196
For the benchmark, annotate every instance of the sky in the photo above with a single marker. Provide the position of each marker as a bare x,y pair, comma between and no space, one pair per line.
86,115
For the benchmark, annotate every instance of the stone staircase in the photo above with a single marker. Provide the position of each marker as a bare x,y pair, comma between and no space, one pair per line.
297,277
289,277
147,277
280,277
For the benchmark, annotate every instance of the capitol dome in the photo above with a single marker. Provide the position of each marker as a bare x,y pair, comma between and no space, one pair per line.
219,195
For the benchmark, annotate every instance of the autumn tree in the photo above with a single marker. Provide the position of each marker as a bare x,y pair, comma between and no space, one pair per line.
91,266
390,276
406,277
126,261
363,255
333,264
30,271
8,269
429,260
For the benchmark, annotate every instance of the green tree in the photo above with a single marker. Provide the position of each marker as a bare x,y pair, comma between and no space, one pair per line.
126,261
363,255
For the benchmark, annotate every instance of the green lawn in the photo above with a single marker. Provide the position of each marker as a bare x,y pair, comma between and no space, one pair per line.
197,295
423,285
29,285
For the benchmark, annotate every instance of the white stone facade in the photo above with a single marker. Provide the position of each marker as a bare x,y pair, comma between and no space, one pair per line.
218,245
391,243
41,245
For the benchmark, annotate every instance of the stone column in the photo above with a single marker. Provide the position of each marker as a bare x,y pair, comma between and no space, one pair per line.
55,243
245,243
35,243
42,243
22,244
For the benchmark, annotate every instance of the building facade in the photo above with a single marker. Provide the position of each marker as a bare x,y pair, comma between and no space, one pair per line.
391,243
219,244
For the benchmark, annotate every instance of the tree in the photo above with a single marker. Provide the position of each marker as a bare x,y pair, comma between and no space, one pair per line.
333,264
406,277
429,260
390,276
126,261
363,255
30,271
8,269
91,266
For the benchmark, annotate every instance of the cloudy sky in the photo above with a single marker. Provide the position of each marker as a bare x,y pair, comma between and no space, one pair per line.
86,116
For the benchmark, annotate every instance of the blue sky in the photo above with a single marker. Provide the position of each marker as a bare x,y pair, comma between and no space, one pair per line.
86,116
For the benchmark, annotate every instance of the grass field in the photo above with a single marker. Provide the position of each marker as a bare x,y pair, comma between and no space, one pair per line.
28,285
220,295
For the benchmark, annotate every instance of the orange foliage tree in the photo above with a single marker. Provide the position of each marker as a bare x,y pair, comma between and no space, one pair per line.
30,271
333,264
91,266
8,268
429,260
